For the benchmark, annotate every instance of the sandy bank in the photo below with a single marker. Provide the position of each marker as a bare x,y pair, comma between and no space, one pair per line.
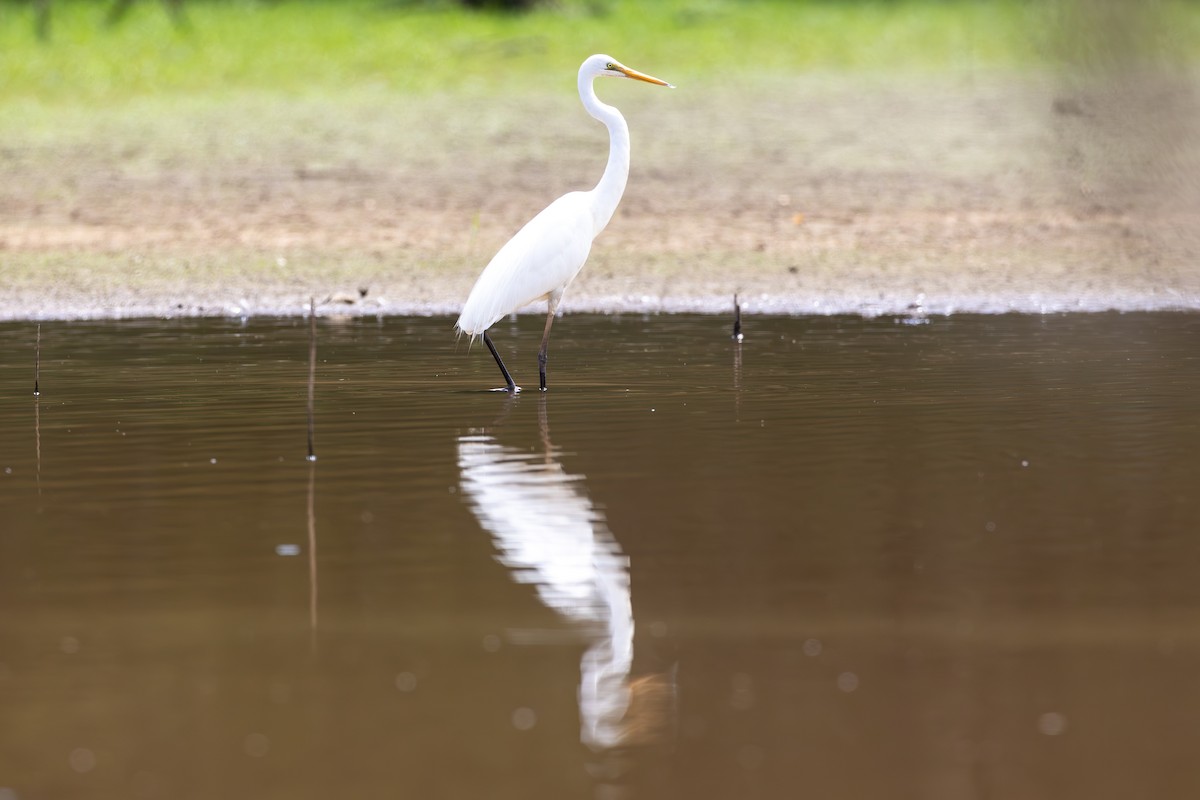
820,195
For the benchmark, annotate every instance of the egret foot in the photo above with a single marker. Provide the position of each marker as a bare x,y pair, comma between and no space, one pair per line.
514,389
510,386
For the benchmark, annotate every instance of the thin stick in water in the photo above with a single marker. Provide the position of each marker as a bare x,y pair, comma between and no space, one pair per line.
312,478
737,320
37,362
37,439
312,371
37,408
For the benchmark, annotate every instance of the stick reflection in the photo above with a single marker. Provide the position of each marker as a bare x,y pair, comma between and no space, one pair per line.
548,534
312,557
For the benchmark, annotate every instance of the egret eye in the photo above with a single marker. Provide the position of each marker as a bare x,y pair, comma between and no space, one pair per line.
610,66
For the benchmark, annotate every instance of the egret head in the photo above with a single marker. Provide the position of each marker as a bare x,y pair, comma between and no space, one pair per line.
601,65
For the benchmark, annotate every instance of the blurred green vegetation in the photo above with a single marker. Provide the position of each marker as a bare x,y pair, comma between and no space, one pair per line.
296,46
288,46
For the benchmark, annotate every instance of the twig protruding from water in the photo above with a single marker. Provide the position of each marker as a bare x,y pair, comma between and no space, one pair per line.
37,407
737,320
312,478
312,371
37,362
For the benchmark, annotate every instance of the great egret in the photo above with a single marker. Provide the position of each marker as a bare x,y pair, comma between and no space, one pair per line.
546,255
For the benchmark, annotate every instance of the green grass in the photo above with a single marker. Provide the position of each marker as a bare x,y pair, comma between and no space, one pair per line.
301,47
293,46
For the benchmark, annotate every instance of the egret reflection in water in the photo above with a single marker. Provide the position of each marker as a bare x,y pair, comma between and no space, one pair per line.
548,534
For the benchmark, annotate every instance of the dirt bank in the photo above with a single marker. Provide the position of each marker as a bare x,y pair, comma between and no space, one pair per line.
809,195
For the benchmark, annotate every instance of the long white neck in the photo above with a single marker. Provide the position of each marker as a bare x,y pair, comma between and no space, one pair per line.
608,191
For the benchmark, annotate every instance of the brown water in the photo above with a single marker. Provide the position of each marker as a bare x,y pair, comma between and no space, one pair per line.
849,558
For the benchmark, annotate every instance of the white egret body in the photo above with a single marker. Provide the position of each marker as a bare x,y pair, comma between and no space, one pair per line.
546,255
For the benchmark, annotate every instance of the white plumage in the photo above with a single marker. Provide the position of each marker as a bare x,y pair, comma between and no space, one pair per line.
557,241
546,255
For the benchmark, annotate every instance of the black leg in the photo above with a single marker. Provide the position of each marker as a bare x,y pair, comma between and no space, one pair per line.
512,387
543,356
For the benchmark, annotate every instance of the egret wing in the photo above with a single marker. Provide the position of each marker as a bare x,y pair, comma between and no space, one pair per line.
542,258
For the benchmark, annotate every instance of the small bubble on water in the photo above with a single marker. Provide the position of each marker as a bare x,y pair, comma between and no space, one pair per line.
847,682
750,757
287,549
256,745
212,461
8,470
491,643
812,647
406,682
742,697
1024,463
82,760
990,527
695,727
1052,723
524,718
367,517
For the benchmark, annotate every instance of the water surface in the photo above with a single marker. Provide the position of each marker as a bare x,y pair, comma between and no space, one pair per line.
845,558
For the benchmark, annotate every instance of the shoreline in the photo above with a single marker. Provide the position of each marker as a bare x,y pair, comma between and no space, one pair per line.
349,305
82,287
822,194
